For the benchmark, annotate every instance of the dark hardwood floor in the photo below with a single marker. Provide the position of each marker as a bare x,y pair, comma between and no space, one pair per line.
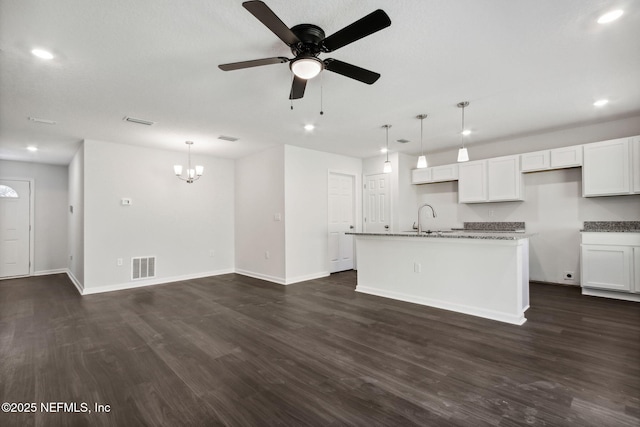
231,350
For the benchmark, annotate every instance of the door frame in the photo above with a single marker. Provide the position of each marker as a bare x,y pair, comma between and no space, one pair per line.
32,226
357,204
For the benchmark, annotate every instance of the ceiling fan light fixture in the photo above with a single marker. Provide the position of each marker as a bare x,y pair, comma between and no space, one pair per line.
306,67
610,16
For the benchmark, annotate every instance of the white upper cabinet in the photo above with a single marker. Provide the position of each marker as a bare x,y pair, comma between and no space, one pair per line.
505,179
421,176
435,174
566,157
536,161
606,169
444,173
635,165
558,158
493,180
472,182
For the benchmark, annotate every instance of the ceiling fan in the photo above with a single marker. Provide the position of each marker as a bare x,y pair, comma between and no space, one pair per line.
307,41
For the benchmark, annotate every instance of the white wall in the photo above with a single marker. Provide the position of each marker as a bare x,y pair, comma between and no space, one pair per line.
181,224
307,208
259,195
50,207
75,222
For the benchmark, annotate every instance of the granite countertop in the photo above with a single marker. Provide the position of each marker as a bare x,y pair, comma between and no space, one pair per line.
449,234
611,227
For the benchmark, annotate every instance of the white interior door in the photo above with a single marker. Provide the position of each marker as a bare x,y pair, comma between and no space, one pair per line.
377,203
14,227
341,219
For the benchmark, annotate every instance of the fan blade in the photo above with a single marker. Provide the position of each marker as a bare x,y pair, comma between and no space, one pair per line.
255,63
297,88
375,21
271,21
348,70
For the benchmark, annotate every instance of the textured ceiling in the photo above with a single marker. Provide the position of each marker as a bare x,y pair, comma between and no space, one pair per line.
525,67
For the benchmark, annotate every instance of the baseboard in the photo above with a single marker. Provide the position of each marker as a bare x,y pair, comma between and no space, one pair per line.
75,281
306,277
542,282
152,282
513,319
48,272
272,279
611,294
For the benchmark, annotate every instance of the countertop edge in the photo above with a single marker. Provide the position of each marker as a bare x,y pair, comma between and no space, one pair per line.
456,235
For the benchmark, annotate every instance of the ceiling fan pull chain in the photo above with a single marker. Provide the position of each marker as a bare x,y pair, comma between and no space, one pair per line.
321,92
290,98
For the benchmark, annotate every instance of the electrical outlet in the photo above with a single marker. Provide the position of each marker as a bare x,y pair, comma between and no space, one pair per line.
568,275
212,253
119,262
417,268
492,213
267,255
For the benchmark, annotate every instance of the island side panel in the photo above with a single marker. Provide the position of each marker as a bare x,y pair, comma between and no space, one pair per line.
473,276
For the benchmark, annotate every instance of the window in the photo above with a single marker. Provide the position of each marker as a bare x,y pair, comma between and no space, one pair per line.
6,191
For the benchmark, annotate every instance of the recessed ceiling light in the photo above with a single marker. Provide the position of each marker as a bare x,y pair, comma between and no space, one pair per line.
309,127
466,132
32,148
42,54
601,102
610,16
383,150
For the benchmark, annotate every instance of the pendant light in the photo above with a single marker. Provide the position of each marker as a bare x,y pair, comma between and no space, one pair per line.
463,154
193,174
422,160
387,163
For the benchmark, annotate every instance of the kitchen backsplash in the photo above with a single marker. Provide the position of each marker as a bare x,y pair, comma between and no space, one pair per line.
494,226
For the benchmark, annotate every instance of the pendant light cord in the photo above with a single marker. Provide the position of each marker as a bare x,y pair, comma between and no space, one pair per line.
387,127
462,130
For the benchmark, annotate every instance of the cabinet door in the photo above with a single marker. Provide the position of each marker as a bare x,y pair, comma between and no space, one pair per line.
635,168
606,168
444,173
566,157
472,182
606,267
536,161
504,178
420,176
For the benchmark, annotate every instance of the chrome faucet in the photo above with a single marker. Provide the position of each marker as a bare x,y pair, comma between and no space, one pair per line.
420,211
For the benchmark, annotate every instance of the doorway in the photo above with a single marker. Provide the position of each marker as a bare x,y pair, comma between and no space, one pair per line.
15,228
342,207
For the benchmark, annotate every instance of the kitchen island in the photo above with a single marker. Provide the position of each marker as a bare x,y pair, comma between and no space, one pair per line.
481,274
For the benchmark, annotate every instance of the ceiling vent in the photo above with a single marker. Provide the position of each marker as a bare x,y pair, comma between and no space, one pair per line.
45,121
403,141
138,121
228,138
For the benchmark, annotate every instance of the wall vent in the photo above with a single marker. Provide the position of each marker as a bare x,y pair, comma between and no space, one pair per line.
143,267
138,121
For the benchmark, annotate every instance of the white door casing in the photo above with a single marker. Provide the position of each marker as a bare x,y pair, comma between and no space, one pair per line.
341,219
15,219
377,202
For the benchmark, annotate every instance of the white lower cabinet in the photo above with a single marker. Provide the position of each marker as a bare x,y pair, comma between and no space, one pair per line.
610,265
607,267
